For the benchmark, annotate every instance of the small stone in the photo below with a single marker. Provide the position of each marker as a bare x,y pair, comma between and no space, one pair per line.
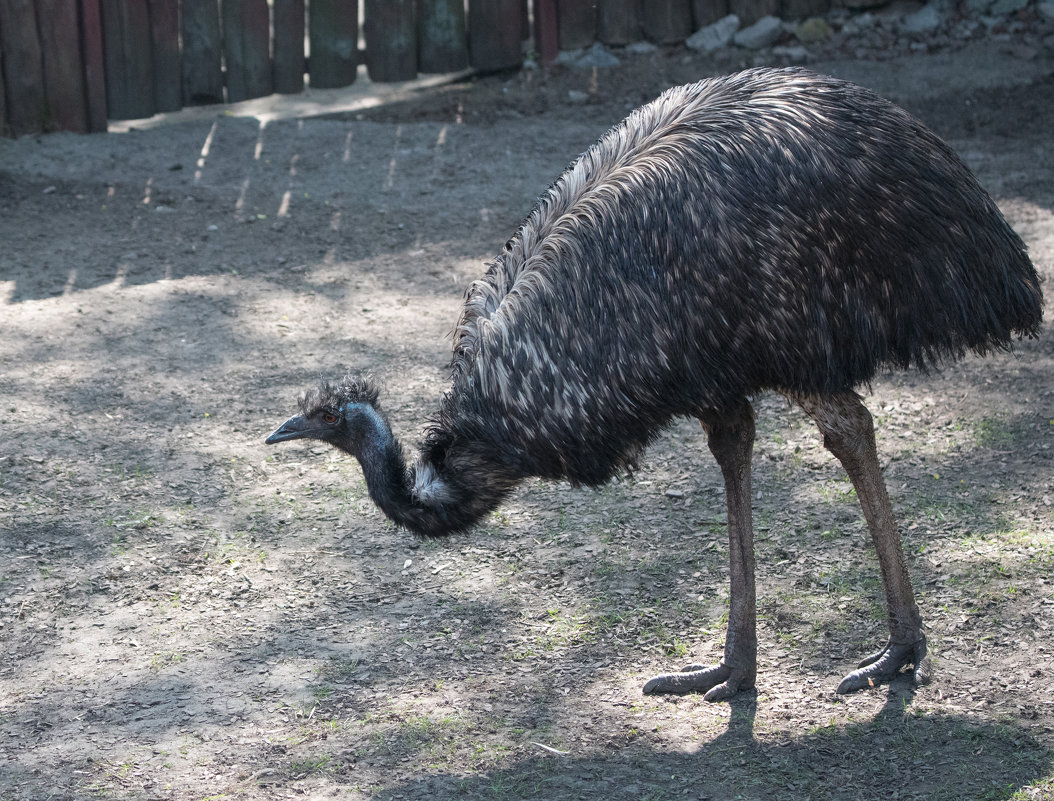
568,57
763,33
1024,52
714,36
597,56
791,54
576,96
1004,8
926,19
813,30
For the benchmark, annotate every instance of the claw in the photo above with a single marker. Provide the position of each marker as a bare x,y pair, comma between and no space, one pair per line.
718,682
886,665
699,680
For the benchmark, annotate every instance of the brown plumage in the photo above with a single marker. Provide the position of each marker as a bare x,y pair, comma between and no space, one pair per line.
771,230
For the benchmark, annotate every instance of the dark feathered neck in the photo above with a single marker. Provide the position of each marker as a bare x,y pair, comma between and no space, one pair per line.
446,490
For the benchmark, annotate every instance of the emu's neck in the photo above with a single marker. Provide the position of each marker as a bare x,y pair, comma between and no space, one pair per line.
439,495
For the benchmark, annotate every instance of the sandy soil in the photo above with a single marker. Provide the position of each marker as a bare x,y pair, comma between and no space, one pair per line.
186,613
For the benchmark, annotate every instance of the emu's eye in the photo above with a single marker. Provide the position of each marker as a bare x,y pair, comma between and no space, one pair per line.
329,418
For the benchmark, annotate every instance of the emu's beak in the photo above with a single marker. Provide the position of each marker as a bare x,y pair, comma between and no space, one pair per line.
293,428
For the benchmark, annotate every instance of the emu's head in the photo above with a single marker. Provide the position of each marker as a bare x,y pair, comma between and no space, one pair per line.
346,416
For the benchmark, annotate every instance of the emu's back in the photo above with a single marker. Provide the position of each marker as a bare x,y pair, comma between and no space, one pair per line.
774,229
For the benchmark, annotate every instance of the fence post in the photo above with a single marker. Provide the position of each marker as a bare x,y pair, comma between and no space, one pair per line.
546,30
442,45
127,59
391,40
164,35
246,45
618,21
495,34
333,31
705,12
667,21
24,76
94,74
63,73
578,23
3,109
750,11
288,46
202,73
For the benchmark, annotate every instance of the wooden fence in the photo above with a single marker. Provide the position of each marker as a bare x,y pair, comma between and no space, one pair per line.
74,64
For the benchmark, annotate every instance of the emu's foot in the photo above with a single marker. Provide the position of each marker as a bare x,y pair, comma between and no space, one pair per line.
719,682
886,665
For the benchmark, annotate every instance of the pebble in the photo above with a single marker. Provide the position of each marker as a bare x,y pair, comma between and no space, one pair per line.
714,36
814,29
763,33
926,19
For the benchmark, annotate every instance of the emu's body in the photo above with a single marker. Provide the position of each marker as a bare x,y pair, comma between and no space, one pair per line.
772,230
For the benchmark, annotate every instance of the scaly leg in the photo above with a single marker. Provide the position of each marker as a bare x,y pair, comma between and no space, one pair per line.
731,440
848,433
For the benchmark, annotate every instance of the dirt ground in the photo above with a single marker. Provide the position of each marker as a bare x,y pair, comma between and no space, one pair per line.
186,613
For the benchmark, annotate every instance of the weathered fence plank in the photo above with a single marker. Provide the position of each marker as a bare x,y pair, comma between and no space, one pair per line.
3,104
578,23
391,40
127,60
333,31
246,48
618,21
705,12
288,46
792,9
94,72
750,11
63,71
202,70
495,34
546,30
164,37
23,72
667,21
442,42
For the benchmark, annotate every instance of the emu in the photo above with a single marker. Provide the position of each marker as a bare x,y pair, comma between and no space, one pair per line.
772,230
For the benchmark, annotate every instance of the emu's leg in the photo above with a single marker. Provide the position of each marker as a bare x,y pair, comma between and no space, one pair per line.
849,434
731,439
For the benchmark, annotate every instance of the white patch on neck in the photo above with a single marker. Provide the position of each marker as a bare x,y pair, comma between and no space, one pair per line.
429,489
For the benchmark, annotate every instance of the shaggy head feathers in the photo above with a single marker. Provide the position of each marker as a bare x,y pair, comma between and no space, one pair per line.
350,389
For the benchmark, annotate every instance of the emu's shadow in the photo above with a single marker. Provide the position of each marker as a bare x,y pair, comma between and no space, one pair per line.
899,754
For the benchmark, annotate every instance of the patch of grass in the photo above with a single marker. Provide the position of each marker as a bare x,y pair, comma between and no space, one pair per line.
564,629
310,766
338,669
437,738
997,432
837,491
162,659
